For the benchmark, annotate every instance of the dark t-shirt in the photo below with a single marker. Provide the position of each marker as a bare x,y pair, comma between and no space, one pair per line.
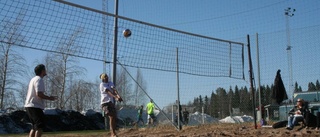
185,113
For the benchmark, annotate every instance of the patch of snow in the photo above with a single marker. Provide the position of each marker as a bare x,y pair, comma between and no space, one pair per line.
236,119
199,118
89,112
127,115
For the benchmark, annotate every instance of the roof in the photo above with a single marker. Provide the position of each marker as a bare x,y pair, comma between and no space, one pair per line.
312,96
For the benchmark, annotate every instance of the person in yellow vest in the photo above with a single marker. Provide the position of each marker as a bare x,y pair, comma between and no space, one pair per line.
150,112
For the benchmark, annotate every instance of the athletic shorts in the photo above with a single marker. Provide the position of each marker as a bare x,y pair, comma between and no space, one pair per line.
151,116
108,108
36,117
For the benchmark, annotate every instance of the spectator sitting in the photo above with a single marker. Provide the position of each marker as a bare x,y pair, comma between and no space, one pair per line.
296,114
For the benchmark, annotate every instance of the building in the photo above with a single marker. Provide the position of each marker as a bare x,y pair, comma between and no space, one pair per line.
276,112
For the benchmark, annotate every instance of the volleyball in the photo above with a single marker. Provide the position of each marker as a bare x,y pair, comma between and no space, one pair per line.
126,33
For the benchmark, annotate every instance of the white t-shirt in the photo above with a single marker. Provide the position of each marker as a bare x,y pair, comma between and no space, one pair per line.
105,97
36,85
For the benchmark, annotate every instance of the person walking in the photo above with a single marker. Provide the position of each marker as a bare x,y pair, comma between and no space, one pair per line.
150,111
109,95
34,103
186,116
139,116
179,115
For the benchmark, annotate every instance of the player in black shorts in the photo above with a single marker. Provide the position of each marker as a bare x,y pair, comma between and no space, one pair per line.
34,104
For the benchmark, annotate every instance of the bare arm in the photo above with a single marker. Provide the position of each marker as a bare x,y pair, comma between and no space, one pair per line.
114,94
43,96
110,93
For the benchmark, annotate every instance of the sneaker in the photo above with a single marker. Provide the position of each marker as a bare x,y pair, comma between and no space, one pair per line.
289,128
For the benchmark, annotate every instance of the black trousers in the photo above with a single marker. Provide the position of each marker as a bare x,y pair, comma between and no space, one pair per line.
318,119
312,120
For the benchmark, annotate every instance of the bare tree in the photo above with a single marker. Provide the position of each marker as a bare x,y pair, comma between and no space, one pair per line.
140,89
52,79
10,99
124,87
83,96
63,66
22,94
12,64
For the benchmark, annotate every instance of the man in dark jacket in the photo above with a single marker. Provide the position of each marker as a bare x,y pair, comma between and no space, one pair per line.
297,114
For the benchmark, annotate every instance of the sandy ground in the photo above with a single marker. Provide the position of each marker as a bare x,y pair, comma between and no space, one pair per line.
213,130
224,130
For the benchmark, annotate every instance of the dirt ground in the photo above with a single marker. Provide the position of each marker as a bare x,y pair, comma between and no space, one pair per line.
213,130
223,130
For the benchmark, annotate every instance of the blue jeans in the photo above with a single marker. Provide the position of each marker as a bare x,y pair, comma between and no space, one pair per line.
294,119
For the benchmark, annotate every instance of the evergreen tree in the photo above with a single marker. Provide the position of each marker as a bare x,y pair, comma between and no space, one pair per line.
196,104
200,104
230,99
236,98
220,103
206,104
297,88
311,87
249,101
263,95
300,89
246,103
222,98
317,85
214,105
256,93
268,96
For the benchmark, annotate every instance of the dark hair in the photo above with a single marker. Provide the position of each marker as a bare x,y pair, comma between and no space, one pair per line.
39,68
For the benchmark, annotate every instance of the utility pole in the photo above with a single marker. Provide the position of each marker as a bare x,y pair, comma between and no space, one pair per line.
115,43
104,22
289,13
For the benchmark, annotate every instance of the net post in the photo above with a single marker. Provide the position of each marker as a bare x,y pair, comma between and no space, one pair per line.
178,89
251,83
